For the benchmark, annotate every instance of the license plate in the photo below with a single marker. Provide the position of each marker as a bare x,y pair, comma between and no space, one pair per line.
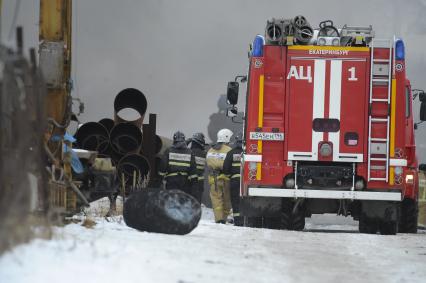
266,136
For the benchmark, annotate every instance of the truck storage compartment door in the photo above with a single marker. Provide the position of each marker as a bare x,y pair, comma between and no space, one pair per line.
327,101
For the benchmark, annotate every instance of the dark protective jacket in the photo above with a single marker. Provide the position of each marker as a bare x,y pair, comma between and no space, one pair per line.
231,167
178,167
200,160
232,163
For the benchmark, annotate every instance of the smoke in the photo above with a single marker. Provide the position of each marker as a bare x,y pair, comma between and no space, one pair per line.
182,53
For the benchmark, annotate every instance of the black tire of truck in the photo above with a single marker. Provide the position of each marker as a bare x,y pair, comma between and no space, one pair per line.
286,214
292,220
298,220
272,223
253,222
367,225
388,227
409,216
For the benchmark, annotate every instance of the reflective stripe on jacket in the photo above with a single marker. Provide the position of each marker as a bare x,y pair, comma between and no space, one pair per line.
215,159
200,161
232,163
177,161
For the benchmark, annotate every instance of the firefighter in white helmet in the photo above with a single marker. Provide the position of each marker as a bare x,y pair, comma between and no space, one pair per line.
232,167
219,182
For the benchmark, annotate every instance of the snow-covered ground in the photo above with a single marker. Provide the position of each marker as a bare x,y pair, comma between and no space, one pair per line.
330,250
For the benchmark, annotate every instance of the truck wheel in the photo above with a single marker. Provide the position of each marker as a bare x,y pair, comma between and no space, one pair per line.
272,222
409,216
286,214
254,222
299,220
367,225
290,220
388,228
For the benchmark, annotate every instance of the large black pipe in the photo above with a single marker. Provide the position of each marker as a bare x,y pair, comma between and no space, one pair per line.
131,164
93,136
161,211
126,138
107,123
133,99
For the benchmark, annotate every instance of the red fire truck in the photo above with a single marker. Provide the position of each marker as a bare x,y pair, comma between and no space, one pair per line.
328,128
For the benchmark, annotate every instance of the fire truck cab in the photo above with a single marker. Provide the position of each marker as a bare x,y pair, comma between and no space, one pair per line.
328,128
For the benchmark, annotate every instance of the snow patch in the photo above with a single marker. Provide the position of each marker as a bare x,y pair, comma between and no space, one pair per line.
113,252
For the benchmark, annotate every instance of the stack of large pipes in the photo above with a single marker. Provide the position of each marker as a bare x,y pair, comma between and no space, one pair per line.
121,138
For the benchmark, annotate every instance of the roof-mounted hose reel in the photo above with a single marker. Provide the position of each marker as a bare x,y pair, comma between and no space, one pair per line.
299,31
303,30
328,34
274,31
288,31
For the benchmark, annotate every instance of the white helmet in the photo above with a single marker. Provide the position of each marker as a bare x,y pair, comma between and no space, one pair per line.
224,135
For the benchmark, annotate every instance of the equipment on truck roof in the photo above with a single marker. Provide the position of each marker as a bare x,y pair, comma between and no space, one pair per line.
298,31
328,34
356,36
288,31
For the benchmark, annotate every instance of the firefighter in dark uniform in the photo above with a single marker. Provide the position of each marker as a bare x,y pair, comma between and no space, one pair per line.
231,168
218,181
198,150
177,166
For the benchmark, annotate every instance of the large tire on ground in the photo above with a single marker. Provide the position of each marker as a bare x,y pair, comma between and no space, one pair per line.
367,225
290,219
161,211
409,216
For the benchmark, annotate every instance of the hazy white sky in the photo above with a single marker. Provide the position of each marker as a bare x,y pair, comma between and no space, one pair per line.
182,53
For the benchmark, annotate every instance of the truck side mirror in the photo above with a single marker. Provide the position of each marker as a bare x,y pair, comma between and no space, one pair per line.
422,167
422,98
232,93
232,112
423,111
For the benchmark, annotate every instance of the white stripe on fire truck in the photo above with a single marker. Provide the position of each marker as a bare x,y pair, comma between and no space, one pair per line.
335,103
318,103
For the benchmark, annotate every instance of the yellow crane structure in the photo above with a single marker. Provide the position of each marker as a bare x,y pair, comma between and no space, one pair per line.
55,57
55,50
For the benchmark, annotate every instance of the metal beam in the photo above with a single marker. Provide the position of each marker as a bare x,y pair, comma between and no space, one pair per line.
324,194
